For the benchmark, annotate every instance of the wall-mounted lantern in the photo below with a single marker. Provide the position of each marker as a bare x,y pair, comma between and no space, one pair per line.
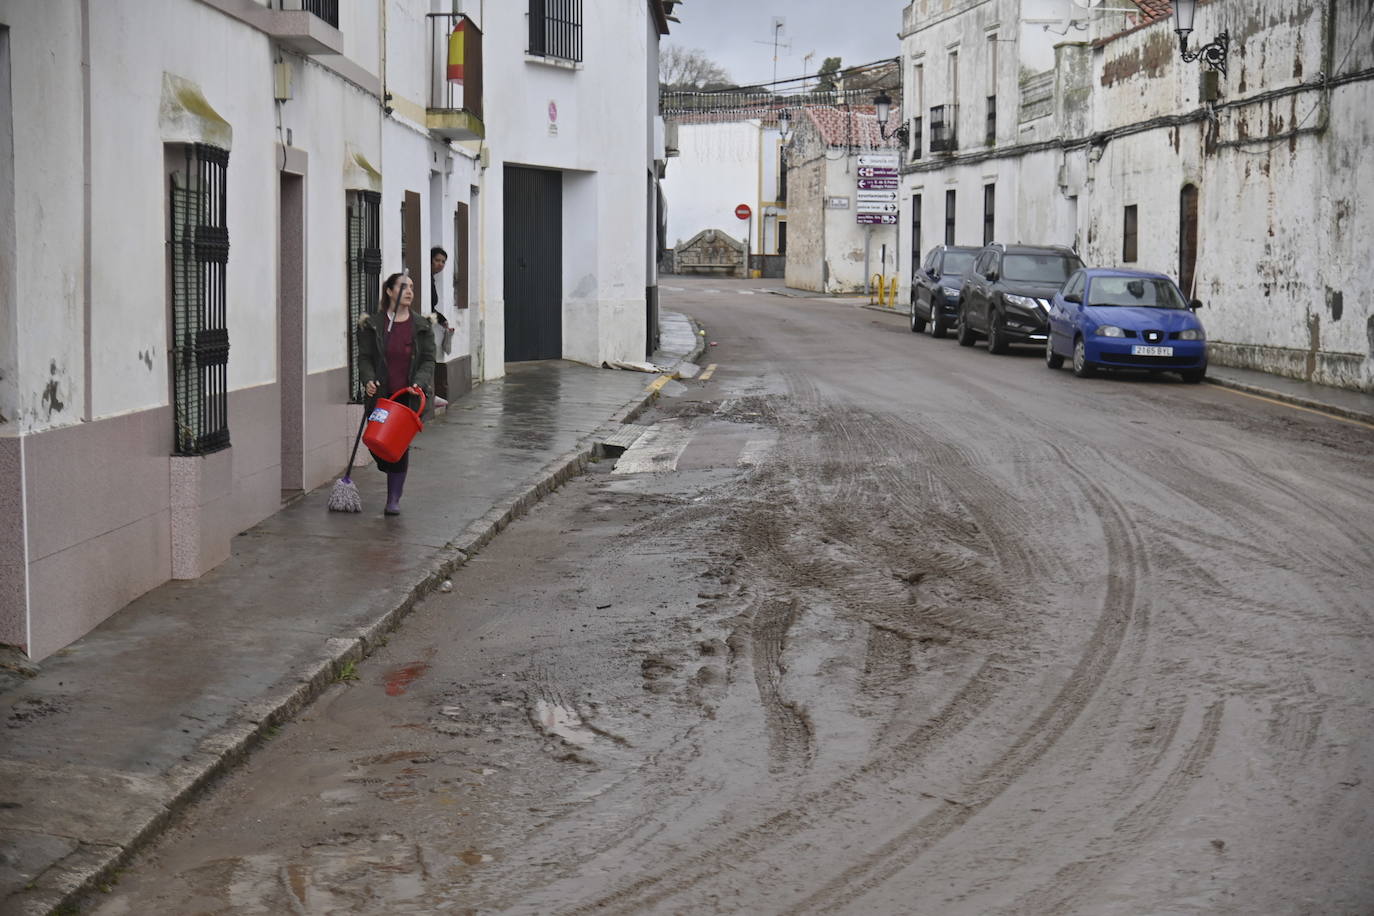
882,102
784,125
1213,53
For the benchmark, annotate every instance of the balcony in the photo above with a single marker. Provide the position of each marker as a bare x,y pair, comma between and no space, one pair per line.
309,27
943,120
455,83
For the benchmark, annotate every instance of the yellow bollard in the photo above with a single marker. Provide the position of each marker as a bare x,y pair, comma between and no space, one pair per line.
875,289
892,294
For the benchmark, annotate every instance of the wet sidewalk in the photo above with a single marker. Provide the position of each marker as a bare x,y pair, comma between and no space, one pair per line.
117,731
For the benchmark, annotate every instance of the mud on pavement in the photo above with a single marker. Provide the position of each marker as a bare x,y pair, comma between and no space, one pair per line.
791,670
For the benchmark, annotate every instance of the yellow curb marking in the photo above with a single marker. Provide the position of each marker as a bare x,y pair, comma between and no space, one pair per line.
659,383
706,376
1320,413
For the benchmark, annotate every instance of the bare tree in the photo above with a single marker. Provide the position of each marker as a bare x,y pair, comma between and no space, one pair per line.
690,68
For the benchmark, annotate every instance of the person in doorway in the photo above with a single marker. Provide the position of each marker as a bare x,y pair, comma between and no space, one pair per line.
438,257
396,351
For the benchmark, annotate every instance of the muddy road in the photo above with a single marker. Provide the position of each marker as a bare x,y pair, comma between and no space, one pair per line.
864,623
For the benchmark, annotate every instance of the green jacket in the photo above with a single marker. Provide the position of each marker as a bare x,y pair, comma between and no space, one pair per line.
372,353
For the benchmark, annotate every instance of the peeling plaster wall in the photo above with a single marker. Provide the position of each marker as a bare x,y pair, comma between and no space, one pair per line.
844,237
805,268
1283,231
1283,181
48,371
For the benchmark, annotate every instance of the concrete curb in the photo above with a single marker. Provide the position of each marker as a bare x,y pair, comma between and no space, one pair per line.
91,866
1294,399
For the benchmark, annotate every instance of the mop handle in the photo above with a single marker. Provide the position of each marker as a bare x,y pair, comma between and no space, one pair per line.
356,439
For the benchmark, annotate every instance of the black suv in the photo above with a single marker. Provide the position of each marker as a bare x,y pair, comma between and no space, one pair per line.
1006,296
935,288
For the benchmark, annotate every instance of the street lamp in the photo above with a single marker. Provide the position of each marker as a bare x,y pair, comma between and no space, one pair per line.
883,103
784,124
1213,53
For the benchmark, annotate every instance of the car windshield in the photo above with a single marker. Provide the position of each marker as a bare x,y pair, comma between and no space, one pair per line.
957,262
1141,292
1038,268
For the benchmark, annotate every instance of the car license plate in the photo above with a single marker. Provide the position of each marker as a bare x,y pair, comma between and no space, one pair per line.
1152,351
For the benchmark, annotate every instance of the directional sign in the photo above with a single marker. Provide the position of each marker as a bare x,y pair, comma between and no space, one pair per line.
877,196
869,206
881,160
877,219
873,184
877,173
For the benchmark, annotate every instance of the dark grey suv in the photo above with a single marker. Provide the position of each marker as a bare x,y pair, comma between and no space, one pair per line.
1006,294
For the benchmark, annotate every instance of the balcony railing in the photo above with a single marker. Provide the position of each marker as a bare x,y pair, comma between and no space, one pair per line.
455,84
305,26
328,10
943,120
917,139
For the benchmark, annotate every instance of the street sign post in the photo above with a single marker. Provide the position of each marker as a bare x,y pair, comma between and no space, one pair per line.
743,211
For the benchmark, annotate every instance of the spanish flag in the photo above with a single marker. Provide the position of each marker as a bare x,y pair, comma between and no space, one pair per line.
455,52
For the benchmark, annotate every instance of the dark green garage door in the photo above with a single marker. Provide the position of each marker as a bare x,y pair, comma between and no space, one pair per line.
533,264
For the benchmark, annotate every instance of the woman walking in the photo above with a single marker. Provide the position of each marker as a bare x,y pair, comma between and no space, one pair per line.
395,351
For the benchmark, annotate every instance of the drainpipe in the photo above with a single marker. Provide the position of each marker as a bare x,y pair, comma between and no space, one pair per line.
87,386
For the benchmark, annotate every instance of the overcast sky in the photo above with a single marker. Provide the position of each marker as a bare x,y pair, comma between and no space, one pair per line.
738,34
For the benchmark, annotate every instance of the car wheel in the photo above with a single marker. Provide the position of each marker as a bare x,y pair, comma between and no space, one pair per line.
937,323
1052,359
1081,367
1193,376
962,332
997,343
917,324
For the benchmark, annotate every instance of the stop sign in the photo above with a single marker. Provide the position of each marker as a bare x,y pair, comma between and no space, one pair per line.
743,211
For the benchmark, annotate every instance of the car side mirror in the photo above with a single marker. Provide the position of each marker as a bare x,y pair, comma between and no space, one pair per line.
992,276
932,273
1073,297
1195,304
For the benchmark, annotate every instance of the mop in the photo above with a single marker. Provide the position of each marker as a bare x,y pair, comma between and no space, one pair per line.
344,497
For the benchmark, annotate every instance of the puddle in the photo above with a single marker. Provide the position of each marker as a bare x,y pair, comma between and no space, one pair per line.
398,680
562,723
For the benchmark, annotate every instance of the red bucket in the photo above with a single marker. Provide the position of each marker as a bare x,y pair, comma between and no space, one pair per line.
392,425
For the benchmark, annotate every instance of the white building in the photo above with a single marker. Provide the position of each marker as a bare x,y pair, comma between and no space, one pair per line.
199,197
835,244
1245,183
722,162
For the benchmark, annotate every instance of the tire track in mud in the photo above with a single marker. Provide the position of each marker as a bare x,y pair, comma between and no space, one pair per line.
790,736
1132,829
1119,612
978,693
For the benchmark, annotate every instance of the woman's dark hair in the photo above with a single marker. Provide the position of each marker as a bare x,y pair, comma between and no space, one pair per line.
438,249
390,284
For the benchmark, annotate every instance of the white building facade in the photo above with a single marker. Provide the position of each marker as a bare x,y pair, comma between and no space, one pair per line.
834,245
1243,183
197,200
721,163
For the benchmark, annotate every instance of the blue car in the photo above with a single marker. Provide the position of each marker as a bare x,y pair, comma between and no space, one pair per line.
1125,319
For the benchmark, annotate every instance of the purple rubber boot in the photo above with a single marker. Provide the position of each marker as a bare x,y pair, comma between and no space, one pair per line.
395,483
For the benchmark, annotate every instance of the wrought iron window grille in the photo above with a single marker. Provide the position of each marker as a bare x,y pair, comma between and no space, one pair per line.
364,273
556,29
943,138
917,139
200,337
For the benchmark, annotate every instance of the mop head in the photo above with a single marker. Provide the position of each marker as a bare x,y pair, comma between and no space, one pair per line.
344,497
